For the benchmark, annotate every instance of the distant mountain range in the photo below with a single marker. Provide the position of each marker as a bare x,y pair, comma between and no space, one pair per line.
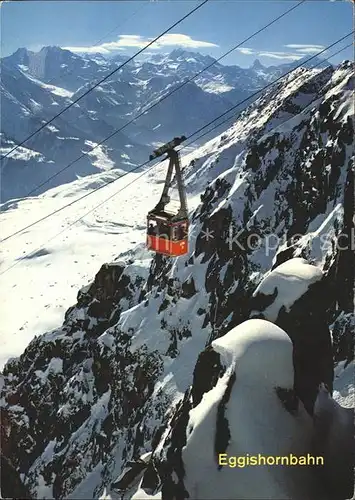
37,85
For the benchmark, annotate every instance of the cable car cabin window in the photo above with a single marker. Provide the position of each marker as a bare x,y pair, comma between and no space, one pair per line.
184,231
152,228
180,232
164,231
159,229
175,231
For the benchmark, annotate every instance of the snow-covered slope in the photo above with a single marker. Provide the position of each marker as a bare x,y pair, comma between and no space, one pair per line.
37,85
114,382
115,227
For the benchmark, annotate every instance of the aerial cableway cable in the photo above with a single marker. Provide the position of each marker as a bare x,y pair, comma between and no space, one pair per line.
191,135
232,117
269,85
149,108
121,24
157,163
71,72
106,77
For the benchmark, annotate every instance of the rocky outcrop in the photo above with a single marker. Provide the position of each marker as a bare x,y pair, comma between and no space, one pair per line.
213,419
11,483
305,321
100,304
133,359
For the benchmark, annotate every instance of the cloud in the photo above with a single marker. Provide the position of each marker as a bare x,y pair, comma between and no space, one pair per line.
310,50
246,51
299,50
305,48
138,41
89,50
281,55
183,41
274,55
301,46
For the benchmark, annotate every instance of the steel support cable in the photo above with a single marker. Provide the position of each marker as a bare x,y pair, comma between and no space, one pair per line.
232,117
157,163
166,96
120,25
106,77
270,84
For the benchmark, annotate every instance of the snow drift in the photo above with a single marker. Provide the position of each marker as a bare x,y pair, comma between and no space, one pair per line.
248,408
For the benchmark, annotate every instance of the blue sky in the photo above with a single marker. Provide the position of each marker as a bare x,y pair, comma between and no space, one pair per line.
125,26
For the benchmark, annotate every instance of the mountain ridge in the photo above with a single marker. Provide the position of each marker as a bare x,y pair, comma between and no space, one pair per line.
54,77
138,332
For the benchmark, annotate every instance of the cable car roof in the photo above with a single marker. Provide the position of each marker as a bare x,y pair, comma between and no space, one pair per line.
167,217
167,147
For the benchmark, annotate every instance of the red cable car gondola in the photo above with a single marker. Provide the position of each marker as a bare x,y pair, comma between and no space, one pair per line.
167,232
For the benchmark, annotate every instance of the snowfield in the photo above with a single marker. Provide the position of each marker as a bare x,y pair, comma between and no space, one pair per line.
34,260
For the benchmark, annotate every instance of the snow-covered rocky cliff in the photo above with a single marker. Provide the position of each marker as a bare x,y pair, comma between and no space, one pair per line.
158,355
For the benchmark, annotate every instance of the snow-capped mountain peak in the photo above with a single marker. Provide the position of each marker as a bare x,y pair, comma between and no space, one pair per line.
36,85
257,65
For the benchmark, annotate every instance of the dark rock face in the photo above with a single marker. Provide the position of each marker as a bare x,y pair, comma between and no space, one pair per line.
307,324
345,268
100,302
344,337
223,435
334,439
207,371
188,289
91,395
167,462
11,484
289,399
